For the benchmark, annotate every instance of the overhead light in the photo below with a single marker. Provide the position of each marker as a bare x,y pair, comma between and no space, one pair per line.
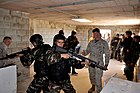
82,20
129,22
79,19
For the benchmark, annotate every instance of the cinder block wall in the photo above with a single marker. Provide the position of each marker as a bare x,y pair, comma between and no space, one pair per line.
49,29
16,25
20,27
83,32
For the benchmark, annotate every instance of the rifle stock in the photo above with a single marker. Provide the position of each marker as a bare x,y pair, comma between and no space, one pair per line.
93,63
26,50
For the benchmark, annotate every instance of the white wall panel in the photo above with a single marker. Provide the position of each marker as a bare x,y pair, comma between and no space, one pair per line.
8,79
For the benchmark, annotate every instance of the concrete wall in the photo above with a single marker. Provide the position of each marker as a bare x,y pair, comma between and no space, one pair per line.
20,27
16,25
49,29
83,32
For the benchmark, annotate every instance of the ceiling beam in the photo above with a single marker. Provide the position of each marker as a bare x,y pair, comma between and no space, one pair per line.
78,3
8,1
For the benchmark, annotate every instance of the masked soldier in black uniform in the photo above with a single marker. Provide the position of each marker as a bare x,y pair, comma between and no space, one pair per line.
58,72
43,57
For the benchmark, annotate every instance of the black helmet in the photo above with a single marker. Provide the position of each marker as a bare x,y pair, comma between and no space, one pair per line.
57,37
37,38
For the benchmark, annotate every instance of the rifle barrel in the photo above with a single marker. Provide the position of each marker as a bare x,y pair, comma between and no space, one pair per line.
92,62
3,58
59,49
15,54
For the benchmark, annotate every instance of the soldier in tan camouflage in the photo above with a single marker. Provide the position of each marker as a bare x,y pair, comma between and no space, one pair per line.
96,48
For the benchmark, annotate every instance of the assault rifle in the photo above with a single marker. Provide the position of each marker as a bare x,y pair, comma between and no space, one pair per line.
24,51
93,63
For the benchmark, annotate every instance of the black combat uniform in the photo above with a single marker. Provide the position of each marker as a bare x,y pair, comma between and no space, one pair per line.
60,79
115,47
131,56
71,43
58,72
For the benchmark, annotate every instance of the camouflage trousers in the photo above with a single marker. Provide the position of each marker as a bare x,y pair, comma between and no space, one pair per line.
95,75
65,85
38,84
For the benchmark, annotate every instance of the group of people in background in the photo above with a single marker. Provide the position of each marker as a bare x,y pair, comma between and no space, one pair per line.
52,67
127,49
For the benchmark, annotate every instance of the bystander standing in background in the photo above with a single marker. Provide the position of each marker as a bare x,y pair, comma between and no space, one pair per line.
3,51
71,43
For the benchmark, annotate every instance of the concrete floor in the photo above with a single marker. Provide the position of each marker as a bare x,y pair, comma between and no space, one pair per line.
81,82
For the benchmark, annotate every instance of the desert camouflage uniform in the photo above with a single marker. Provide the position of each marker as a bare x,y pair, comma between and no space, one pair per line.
3,53
96,51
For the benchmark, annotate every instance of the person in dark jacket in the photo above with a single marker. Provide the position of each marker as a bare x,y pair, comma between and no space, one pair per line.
115,47
59,72
131,56
126,43
71,43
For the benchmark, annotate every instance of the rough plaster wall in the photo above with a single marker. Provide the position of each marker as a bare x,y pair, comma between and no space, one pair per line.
16,25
